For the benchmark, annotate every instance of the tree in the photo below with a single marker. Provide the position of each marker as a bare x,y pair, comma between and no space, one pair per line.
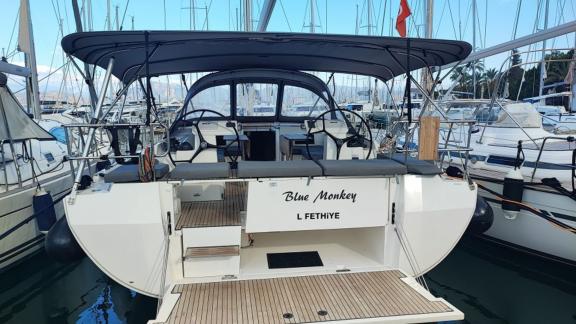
515,74
491,75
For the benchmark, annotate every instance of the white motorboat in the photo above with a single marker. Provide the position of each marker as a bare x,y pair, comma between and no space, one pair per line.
262,231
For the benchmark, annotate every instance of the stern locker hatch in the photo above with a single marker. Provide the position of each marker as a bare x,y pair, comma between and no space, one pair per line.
211,233
371,296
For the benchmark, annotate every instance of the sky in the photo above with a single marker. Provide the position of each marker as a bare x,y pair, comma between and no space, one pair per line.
452,20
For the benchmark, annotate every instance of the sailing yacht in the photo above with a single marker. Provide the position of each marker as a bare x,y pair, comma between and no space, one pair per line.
33,165
227,220
36,159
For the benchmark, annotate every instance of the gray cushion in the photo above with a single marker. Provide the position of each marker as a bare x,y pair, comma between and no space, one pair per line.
416,166
361,167
200,171
272,169
316,152
129,173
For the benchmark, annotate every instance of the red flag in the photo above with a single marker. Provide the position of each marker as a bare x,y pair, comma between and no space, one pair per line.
403,13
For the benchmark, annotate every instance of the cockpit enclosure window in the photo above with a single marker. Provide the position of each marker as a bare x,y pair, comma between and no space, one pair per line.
256,99
301,102
215,98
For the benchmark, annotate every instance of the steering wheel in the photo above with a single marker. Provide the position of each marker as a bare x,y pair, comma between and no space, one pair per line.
204,144
340,142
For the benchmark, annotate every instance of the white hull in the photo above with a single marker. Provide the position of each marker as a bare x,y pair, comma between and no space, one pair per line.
531,231
16,205
410,236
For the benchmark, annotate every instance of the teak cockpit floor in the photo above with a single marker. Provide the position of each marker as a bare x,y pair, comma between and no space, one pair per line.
317,298
225,212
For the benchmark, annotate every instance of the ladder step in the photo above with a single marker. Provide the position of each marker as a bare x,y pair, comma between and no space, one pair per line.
208,251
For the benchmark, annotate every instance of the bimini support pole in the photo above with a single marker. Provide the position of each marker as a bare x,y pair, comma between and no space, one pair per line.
92,130
408,97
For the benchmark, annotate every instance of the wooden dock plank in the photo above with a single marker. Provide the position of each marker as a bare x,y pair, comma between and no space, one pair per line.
225,212
343,296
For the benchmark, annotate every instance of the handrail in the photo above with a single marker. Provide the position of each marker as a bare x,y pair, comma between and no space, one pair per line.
113,125
567,139
447,121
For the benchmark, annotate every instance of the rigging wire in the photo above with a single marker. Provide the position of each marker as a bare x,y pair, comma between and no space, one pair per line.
206,17
13,29
378,17
441,17
452,19
383,18
44,78
529,53
58,35
467,20
559,19
414,17
285,16
124,15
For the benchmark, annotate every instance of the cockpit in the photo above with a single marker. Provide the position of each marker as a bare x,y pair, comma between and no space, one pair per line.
265,115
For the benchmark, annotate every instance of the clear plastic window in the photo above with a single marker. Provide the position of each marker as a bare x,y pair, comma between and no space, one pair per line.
300,102
215,98
256,99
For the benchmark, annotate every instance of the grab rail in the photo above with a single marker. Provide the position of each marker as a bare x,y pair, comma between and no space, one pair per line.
569,139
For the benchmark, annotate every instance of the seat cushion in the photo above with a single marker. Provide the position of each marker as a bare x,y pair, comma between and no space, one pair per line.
129,173
362,167
415,166
200,171
273,169
316,152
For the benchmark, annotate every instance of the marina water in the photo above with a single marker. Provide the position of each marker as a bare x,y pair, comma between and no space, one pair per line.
488,282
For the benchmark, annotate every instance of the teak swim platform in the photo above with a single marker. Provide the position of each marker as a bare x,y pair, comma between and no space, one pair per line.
305,299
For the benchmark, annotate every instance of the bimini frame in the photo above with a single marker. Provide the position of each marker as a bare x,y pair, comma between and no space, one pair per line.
94,50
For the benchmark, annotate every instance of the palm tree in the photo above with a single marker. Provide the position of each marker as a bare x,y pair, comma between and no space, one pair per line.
490,77
463,77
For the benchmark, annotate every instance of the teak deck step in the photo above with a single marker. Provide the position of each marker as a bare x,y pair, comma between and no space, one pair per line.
207,251
225,212
305,299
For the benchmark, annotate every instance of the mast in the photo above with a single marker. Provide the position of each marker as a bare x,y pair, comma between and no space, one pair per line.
89,20
355,75
247,15
312,23
117,19
356,19
543,63
265,15
193,14
429,17
87,74
369,20
108,20
426,77
26,45
474,48
573,83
